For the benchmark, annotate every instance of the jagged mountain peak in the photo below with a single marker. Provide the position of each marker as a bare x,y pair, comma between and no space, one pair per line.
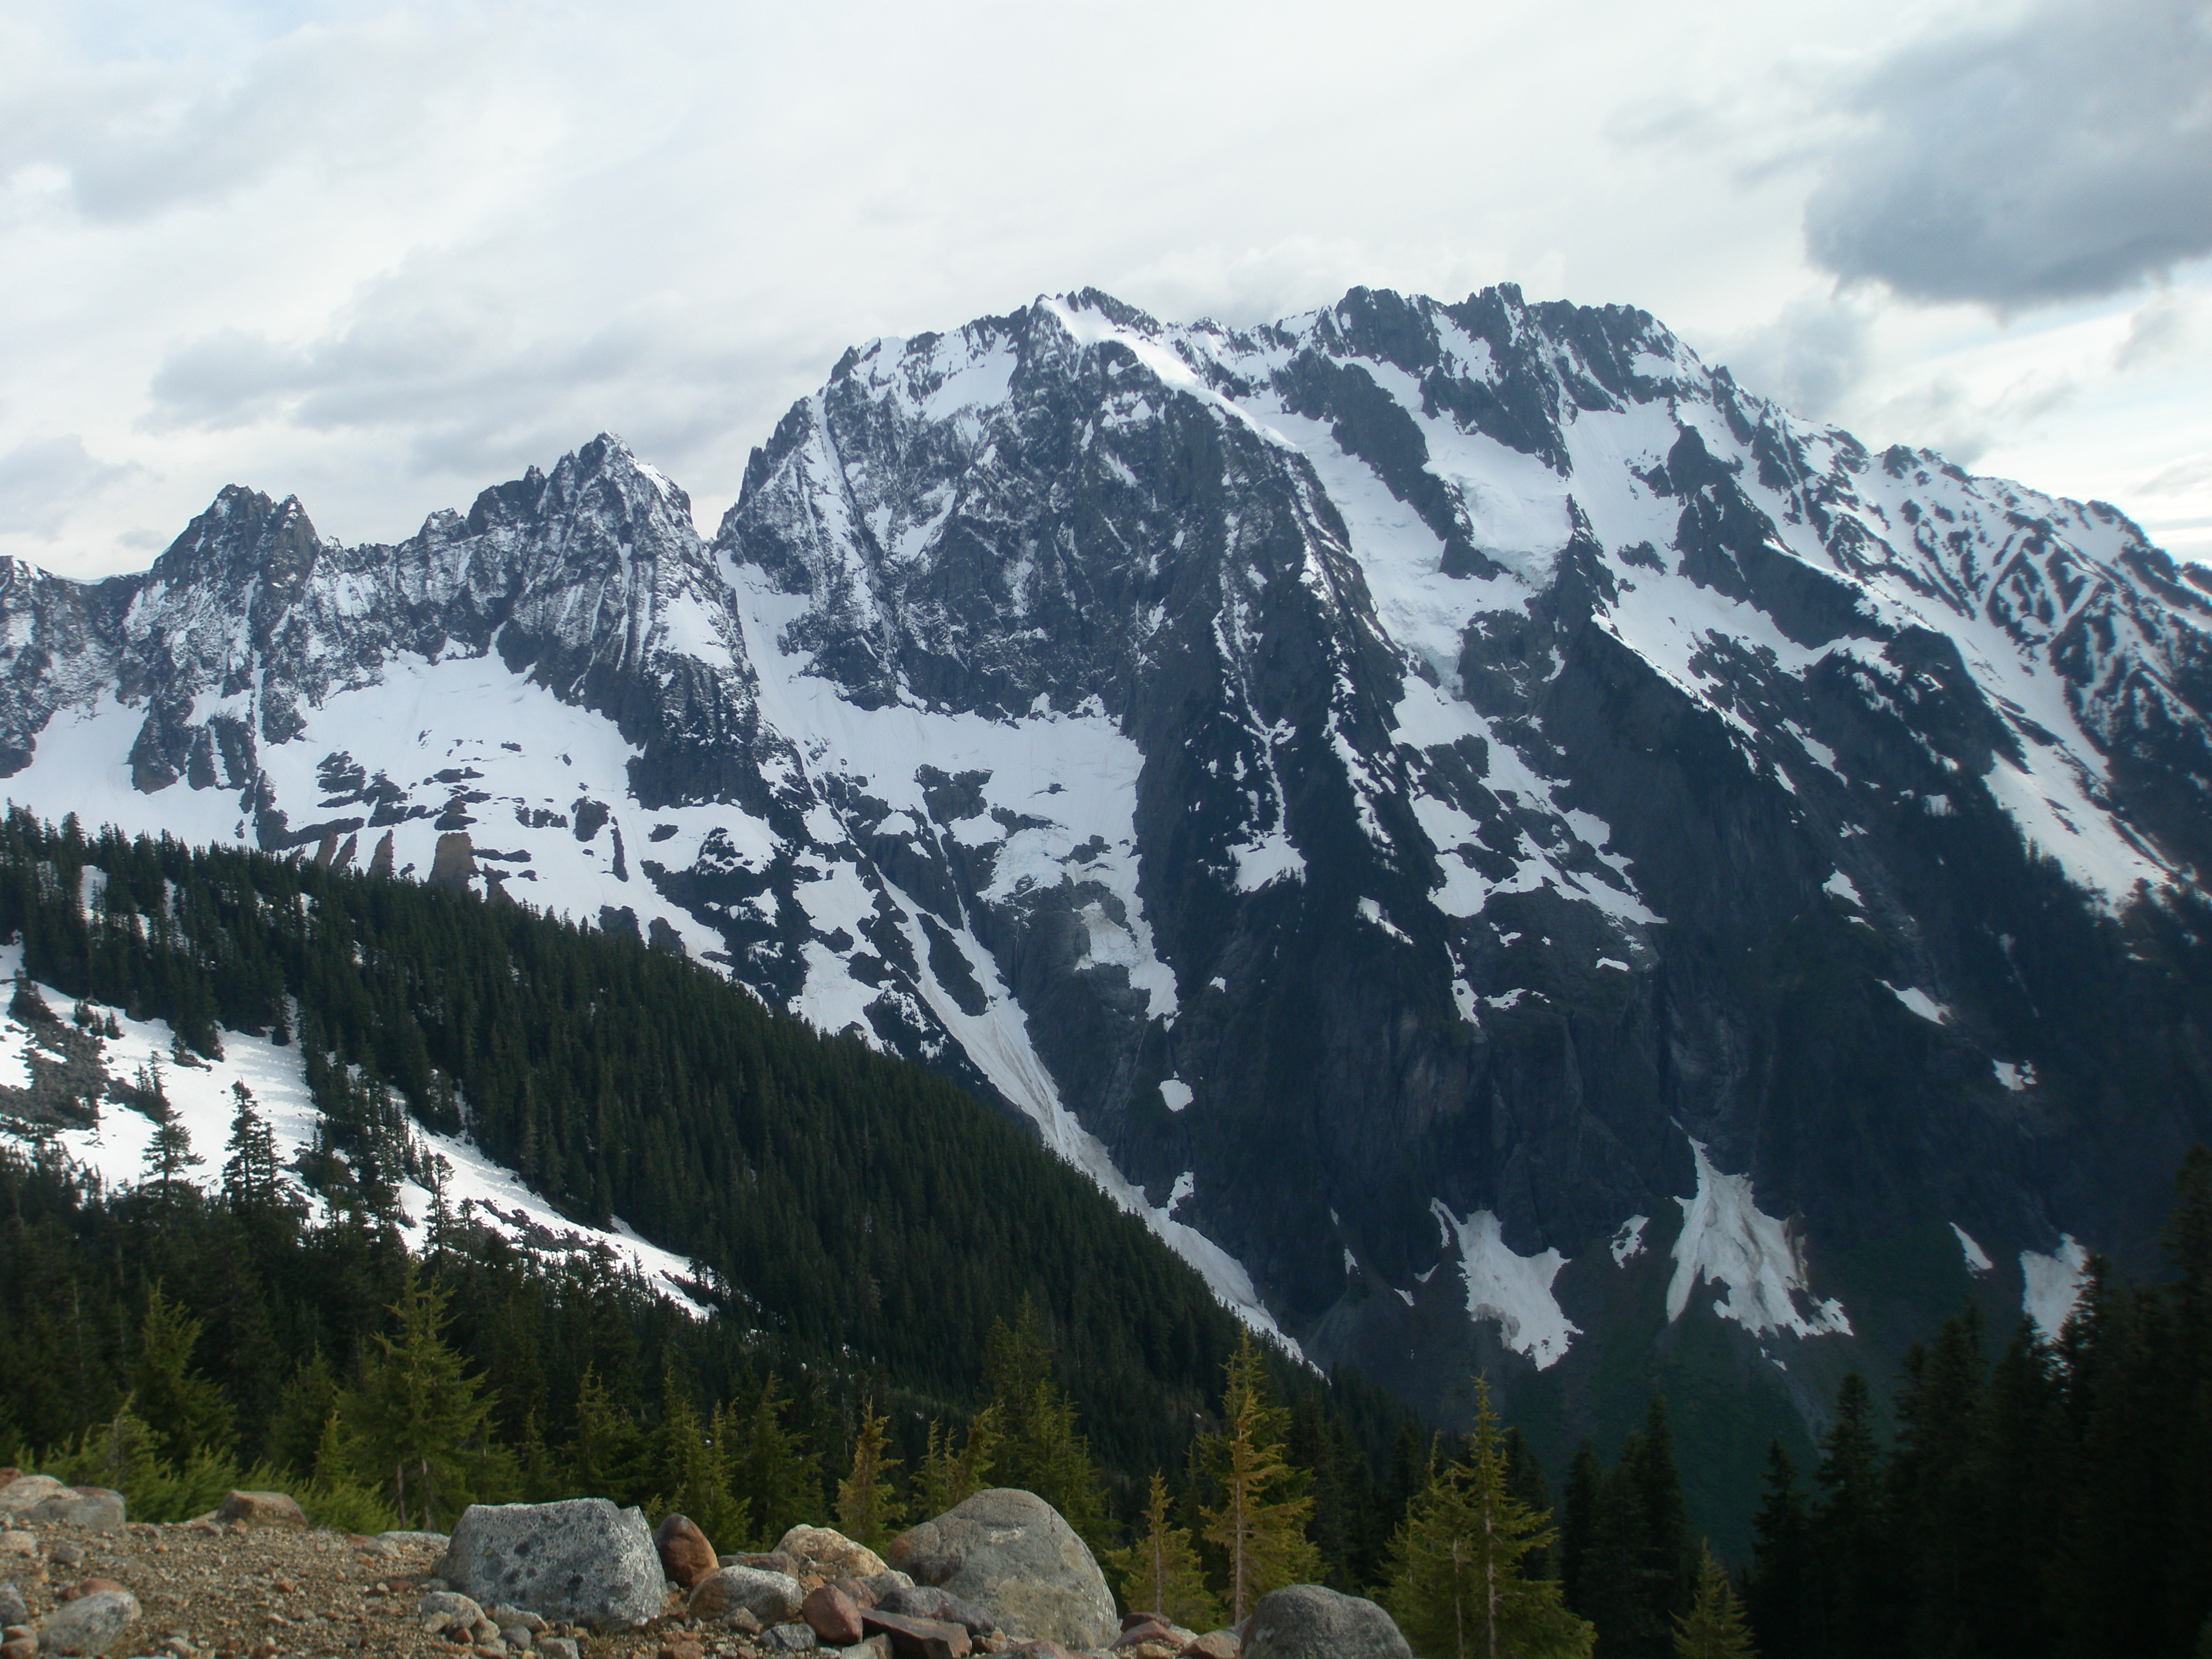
1371,787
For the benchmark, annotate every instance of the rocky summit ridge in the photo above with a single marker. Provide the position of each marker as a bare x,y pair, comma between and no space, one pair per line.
1504,847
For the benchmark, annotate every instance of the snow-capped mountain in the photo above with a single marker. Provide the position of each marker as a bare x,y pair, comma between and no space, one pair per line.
1414,786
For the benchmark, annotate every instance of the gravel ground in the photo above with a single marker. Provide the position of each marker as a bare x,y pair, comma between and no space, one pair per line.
262,1592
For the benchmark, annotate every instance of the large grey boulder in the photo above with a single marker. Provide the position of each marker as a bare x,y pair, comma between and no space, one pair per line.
1011,1552
96,1509
26,1491
91,1624
770,1597
579,1562
1309,1621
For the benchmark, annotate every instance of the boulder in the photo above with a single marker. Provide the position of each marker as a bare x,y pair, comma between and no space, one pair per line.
262,1508
1216,1644
96,1509
557,1647
91,1624
1309,1621
819,1549
26,1492
877,1585
787,1638
770,1597
766,1560
685,1555
833,1615
12,1610
1012,1553
920,1638
929,1601
579,1562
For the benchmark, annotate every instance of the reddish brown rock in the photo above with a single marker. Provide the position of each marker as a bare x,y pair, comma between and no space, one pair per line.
920,1638
685,1555
681,1649
88,1586
834,1616
1214,1644
20,1647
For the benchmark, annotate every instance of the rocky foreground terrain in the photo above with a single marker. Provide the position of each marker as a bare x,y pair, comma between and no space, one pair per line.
1001,1573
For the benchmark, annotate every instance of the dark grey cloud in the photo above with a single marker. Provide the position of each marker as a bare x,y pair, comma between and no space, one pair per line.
2064,156
44,480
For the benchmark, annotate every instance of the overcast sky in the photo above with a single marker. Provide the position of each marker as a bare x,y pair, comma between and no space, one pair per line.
382,256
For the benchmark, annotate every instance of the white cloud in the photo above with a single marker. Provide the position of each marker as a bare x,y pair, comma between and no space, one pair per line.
382,255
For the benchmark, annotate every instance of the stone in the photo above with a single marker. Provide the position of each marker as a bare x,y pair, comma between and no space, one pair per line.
787,1638
920,1638
766,1560
26,1491
19,1543
581,1561
558,1647
506,1613
19,1647
64,1554
770,1597
518,1637
262,1508
880,1584
450,1609
685,1555
819,1549
833,1615
12,1609
1011,1552
876,1647
91,1624
96,1509
89,1587
1216,1644
676,1648
1309,1621
929,1601
1038,1648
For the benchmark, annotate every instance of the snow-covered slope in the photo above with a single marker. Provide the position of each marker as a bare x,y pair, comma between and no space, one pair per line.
1408,762
202,1101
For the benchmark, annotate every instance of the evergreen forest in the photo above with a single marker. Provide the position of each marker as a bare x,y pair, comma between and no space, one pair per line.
914,1300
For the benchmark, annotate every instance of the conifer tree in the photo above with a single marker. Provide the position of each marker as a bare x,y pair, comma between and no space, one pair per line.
1713,1628
1579,1516
250,1178
1458,1580
772,1469
945,1477
1260,1518
422,1423
1159,1572
1778,1596
687,1468
868,1507
1041,1448
1855,1603
603,1451
186,1412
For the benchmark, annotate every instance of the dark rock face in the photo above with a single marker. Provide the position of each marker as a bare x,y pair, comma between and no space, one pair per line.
1413,788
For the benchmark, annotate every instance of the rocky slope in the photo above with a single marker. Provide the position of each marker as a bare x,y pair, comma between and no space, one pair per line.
1506,848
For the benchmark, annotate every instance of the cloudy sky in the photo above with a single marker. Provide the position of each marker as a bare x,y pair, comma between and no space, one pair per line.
382,256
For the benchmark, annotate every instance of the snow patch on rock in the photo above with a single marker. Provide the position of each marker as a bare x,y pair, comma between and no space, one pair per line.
1515,1291
1755,1258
